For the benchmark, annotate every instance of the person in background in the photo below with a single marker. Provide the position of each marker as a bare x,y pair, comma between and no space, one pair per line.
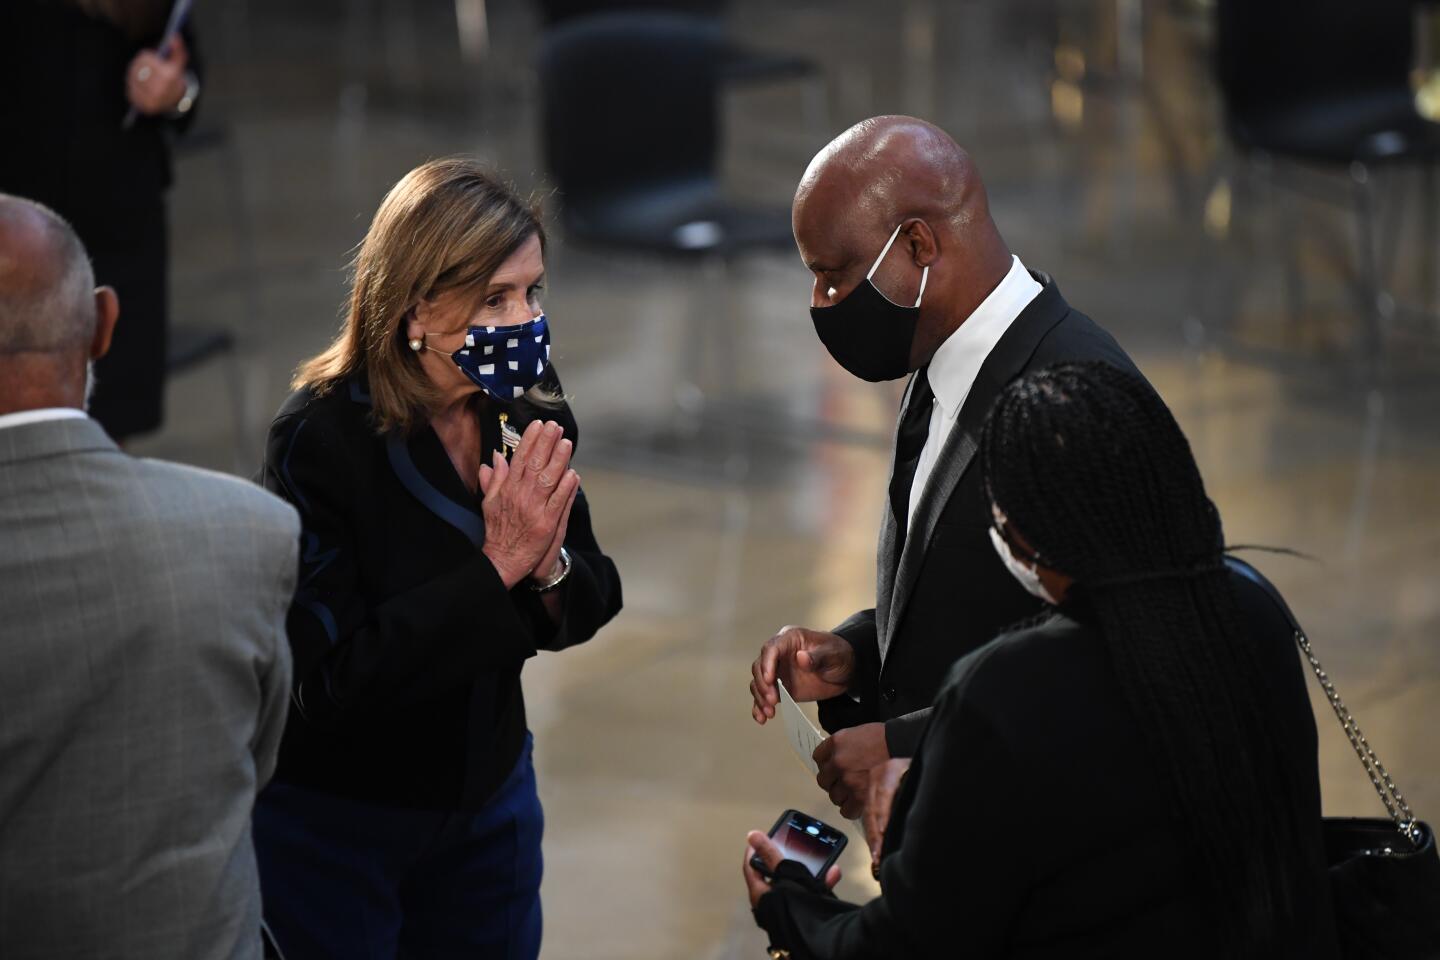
446,540
144,672
73,70
912,276
1132,774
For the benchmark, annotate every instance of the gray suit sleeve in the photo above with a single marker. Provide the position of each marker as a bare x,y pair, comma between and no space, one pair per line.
275,670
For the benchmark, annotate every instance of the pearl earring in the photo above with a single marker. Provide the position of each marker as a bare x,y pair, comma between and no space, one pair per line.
416,344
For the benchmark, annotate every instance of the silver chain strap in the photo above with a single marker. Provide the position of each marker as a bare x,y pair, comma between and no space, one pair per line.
1390,795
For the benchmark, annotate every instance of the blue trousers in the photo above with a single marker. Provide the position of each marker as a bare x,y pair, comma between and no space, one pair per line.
348,880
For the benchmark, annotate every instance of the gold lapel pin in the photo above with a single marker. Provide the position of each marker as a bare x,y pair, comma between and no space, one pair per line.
509,436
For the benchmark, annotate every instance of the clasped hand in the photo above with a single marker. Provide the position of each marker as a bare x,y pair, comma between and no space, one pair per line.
527,504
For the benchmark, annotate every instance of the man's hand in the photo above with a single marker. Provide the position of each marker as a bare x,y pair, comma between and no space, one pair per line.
155,85
846,760
758,886
884,782
814,665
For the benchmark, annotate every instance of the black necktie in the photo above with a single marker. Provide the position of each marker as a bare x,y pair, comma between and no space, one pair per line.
914,430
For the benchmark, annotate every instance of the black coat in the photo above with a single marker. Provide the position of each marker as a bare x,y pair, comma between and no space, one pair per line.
949,594
66,147
408,648
1034,824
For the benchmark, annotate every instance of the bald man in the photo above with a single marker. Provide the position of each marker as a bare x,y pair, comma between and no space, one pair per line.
912,276
144,670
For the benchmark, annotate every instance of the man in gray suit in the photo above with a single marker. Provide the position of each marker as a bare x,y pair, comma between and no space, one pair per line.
144,669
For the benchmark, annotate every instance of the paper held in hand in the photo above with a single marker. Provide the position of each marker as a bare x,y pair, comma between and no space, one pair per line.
804,736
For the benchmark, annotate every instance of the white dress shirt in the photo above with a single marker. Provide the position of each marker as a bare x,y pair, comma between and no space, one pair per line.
22,417
957,363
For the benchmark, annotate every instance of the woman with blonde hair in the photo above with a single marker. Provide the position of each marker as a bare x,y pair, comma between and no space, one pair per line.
445,541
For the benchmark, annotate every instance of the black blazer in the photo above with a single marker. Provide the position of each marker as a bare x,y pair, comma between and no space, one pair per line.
407,646
66,147
1032,824
948,593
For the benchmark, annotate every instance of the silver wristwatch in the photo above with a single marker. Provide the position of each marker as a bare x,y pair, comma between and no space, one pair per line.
559,578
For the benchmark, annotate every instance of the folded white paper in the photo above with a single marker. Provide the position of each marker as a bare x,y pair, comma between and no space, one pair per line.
804,736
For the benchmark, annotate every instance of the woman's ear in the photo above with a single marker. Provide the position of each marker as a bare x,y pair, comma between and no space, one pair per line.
415,320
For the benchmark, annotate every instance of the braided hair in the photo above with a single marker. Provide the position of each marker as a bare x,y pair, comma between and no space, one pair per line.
1089,466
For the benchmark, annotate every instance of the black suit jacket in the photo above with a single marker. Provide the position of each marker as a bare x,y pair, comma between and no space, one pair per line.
948,593
1033,824
77,155
407,646
66,147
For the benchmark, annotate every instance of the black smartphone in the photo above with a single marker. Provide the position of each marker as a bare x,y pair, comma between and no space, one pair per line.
813,844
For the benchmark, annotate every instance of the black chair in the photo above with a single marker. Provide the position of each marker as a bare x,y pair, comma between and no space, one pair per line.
632,139
1324,81
738,64
555,12
631,126
1324,84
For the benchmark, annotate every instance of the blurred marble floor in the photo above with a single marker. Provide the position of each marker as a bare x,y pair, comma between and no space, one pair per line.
1096,128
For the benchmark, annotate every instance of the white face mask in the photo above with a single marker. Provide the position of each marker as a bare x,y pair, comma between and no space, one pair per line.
1029,577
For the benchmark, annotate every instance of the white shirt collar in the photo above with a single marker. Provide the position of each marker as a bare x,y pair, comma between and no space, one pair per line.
957,362
22,417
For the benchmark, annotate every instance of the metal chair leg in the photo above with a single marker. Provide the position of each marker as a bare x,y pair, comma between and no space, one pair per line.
243,229
1365,468
690,393
1288,222
1430,240
472,24
239,413
1217,285
1372,305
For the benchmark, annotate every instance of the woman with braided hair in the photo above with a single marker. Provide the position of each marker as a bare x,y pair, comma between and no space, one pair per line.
1133,774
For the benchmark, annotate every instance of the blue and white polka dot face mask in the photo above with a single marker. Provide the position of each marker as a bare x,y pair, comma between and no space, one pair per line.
505,361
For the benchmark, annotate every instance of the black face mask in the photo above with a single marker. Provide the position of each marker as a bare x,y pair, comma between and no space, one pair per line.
866,333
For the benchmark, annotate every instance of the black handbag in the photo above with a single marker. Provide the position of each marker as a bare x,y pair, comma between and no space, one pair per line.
1384,873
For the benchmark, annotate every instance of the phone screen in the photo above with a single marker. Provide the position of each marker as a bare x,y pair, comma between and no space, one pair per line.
810,842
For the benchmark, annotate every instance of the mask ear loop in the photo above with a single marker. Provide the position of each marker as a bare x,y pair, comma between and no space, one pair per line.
924,274
888,244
